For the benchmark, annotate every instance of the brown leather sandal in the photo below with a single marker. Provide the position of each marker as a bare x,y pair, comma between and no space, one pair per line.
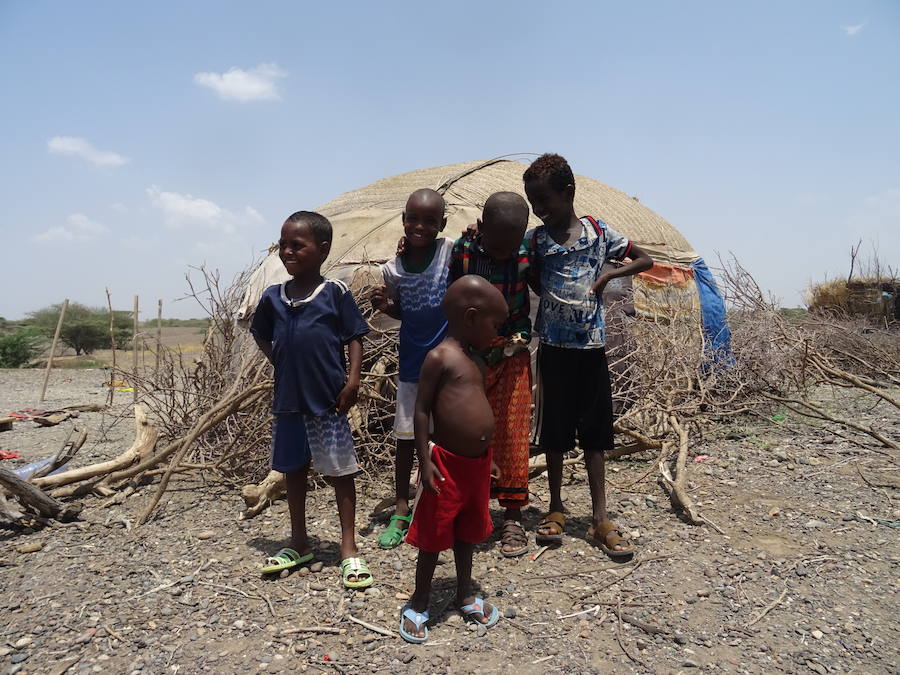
607,536
555,521
512,534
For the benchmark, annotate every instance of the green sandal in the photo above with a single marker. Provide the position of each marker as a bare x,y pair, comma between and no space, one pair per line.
356,567
285,559
392,536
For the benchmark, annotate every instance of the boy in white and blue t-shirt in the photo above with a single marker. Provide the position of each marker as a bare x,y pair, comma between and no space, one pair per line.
304,326
576,396
414,286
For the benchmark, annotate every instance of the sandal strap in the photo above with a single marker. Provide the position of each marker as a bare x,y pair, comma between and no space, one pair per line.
284,555
476,607
418,619
395,518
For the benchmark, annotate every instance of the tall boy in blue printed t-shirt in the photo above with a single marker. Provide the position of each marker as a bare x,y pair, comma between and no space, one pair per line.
414,286
303,327
576,396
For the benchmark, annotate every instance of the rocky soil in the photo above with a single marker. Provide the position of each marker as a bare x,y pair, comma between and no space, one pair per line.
804,578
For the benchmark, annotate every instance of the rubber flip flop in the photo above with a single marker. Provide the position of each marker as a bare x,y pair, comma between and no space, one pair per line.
356,567
419,619
477,607
285,559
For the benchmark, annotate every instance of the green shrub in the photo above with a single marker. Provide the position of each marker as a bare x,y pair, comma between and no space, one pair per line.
19,347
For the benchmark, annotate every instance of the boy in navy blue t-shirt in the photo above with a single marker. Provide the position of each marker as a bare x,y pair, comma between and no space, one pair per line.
303,326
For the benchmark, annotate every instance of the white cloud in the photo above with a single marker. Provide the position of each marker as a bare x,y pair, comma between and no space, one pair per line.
853,31
256,84
118,207
81,147
182,209
78,228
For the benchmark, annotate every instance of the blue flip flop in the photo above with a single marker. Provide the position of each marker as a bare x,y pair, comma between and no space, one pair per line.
420,619
477,607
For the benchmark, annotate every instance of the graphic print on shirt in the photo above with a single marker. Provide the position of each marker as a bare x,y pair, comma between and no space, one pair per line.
569,314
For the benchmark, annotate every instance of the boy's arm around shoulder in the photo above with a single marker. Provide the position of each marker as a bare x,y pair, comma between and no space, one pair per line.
429,380
383,298
640,262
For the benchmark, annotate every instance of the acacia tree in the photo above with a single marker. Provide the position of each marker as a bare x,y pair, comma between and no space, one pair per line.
85,329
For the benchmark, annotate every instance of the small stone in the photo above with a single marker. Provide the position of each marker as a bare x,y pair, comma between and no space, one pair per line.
314,586
22,642
680,638
31,547
316,566
510,612
814,524
817,634
18,657
689,663
240,624
703,593
176,590
407,657
372,591
401,596
481,630
5,651
206,534
397,566
641,644
303,571
284,574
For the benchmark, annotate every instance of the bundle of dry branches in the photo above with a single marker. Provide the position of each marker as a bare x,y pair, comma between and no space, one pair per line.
212,412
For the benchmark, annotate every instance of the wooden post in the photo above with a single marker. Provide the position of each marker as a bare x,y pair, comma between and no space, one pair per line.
134,351
112,342
62,314
158,333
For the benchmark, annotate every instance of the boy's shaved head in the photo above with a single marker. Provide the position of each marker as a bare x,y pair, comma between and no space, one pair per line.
505,209
471,292
425,198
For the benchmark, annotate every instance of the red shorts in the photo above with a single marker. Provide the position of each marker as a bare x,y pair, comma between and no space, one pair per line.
460,512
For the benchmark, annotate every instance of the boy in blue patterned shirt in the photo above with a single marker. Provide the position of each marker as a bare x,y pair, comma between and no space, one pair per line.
576,395
414,286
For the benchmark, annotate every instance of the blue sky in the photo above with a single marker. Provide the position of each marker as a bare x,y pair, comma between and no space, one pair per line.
140,139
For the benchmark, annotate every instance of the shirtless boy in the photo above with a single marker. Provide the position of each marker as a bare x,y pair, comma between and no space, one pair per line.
455,463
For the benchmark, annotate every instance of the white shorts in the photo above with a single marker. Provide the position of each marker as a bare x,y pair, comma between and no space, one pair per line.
331,444
406,406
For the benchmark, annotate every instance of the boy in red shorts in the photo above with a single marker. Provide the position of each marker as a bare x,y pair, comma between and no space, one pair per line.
455,469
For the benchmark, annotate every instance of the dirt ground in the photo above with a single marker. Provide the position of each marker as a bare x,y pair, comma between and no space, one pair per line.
804,578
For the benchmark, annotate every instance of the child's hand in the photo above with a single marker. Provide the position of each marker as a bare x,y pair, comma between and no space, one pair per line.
431,477
600,284
401,246
379,298
495,472
347,398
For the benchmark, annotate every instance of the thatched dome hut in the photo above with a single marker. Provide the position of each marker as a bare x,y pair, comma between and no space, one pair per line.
367,224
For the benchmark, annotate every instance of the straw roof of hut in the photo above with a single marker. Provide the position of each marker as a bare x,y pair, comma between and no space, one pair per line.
367,221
